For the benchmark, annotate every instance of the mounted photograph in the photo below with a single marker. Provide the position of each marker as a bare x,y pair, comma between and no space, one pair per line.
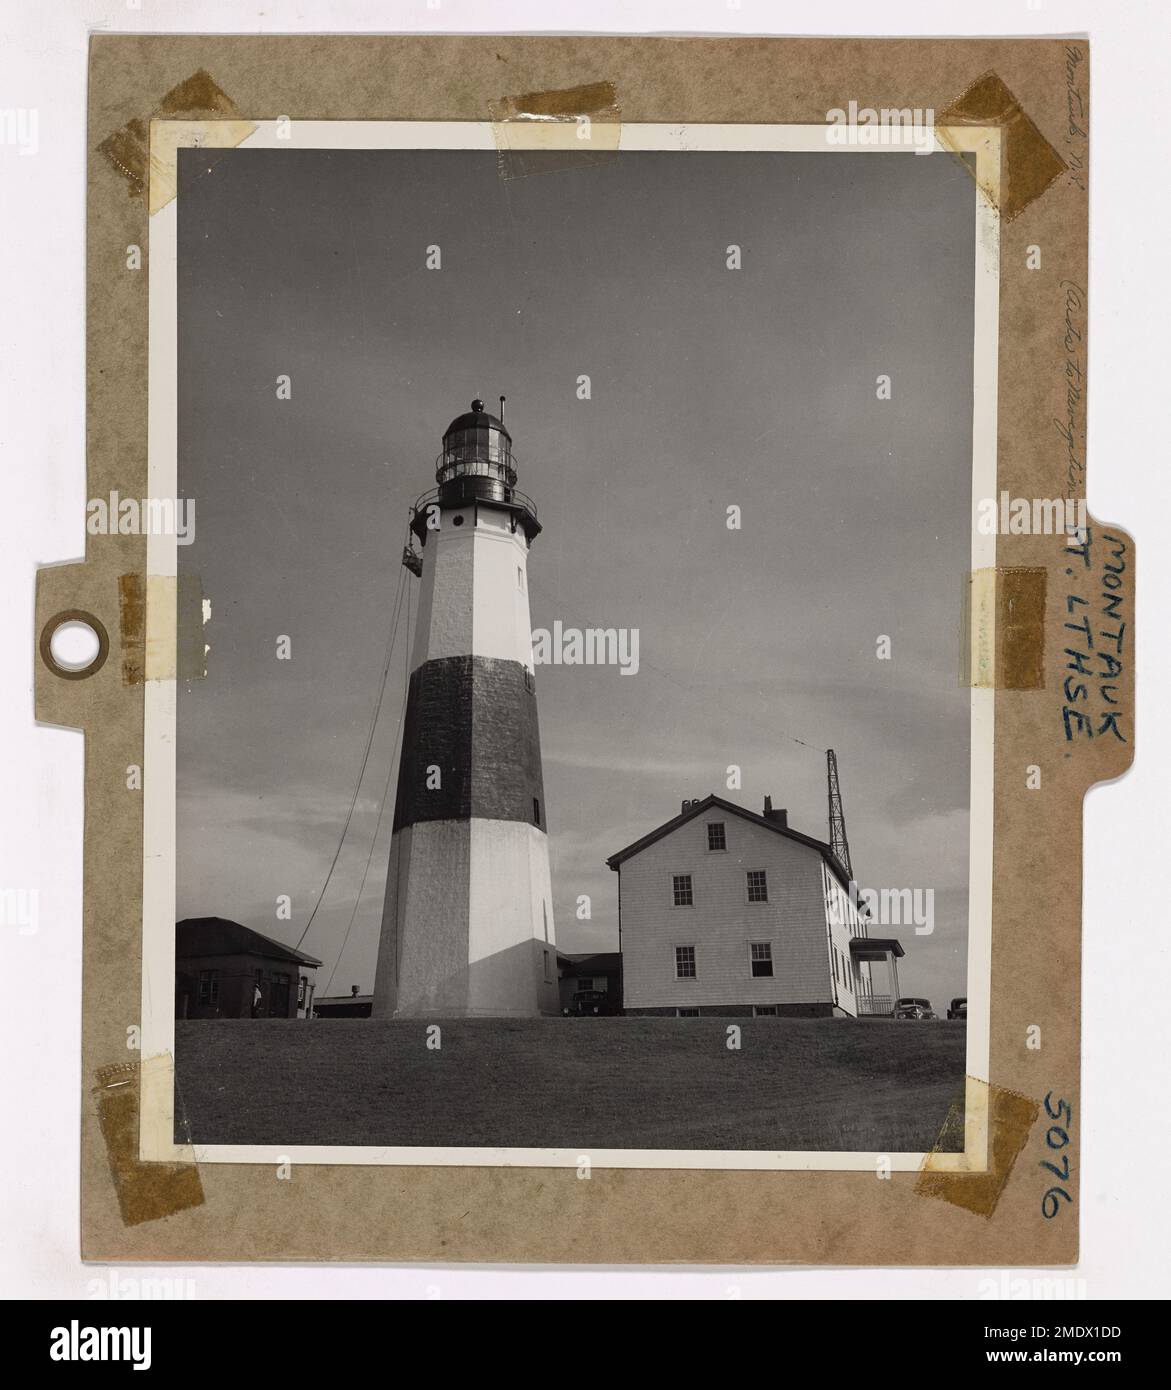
577,751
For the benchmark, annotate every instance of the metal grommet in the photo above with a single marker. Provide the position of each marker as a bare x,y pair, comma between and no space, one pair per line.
74,615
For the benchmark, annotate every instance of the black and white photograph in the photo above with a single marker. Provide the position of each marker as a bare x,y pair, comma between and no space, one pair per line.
585,760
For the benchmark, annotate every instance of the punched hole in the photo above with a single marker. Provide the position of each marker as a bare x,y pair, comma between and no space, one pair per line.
74,644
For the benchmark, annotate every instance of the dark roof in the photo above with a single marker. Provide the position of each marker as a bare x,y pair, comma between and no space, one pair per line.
217,936
883,943
342,999
599,962
476,419
615,861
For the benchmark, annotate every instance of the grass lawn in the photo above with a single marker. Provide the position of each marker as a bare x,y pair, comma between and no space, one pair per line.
645,1083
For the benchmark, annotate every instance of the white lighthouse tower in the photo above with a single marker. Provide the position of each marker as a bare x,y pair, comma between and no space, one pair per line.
467,926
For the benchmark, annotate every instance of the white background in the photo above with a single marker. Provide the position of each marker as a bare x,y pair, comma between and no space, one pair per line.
1126,1120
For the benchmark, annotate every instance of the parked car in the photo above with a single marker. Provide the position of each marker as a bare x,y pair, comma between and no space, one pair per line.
587,1003
912,1008
959,1008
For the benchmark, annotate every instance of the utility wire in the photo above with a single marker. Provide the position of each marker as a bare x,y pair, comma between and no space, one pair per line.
381,808
365,757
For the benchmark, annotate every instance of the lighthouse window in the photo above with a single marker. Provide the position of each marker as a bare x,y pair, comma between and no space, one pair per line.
536,811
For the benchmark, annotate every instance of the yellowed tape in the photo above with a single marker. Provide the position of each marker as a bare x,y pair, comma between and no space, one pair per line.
998,1121
544,132
1003,644
162,621
145,157
146,1191
1028,163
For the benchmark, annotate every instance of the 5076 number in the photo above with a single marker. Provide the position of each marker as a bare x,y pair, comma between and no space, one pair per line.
1057,1140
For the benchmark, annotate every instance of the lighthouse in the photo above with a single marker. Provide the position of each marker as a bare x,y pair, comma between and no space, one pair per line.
467,925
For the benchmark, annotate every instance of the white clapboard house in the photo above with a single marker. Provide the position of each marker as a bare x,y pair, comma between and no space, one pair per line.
728,913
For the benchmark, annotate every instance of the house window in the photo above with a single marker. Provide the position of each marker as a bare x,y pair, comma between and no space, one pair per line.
536,811
584,982
761,953
765,1011
685,962
681,886
209,986
757,886
716,839
686,1013
301,984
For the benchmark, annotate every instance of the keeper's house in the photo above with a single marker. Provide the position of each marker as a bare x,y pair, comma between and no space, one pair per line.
724,912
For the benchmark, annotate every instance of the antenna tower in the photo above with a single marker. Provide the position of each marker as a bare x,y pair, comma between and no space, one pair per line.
837,817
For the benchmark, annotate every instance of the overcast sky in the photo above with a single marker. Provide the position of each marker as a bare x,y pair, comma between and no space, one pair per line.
710,387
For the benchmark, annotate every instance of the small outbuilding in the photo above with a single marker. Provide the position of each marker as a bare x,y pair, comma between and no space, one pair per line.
224,969
352,1005
600,971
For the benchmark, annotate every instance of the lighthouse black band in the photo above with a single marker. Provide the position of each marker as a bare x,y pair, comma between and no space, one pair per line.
475,719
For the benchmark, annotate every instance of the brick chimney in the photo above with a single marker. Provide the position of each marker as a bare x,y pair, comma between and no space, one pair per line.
777,817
